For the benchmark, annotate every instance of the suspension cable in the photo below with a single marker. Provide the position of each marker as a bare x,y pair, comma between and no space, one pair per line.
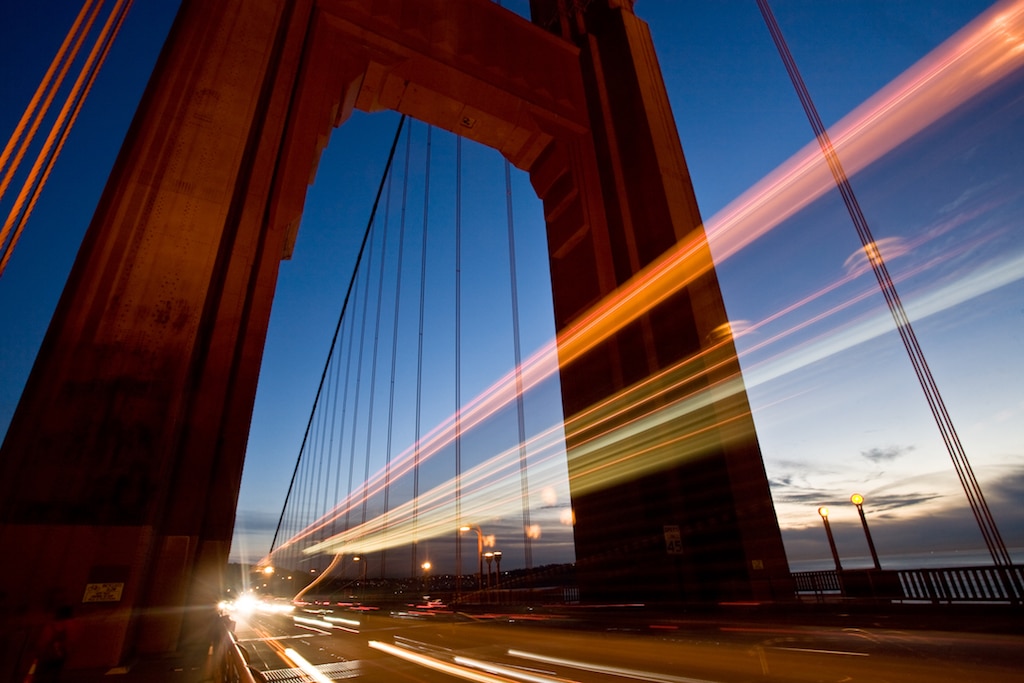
44,90
337,327
394,342
524,482
458,363
419,358
972,489
376,349
344,412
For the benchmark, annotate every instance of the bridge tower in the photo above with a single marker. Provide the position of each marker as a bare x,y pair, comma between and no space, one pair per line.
121,467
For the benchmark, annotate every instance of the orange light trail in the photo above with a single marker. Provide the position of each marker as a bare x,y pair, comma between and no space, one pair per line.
651,438
977,57
984,52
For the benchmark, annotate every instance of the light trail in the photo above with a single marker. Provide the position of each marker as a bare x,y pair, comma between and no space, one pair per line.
438,665
972,60
511,672
987,278
977,57
606,669
307,668
685,428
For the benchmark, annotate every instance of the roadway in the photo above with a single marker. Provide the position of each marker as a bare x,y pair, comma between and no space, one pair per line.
435,644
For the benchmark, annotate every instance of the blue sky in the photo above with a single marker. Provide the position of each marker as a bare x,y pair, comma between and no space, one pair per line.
835,402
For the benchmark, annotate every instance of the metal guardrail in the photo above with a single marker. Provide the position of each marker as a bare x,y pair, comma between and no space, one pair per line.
938,585
817,582
232,661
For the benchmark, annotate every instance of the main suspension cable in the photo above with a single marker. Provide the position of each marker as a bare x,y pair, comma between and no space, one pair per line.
59,131
972,489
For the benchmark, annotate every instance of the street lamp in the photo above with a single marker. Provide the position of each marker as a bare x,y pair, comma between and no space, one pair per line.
357,558
426,575
858,500
479,554
497,571
823,511
489,556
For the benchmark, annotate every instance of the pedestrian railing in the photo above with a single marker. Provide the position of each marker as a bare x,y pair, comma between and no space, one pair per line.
963,584
938,585
231,662
819,582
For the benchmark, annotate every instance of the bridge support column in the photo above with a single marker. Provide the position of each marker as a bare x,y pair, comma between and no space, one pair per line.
669,492
121,467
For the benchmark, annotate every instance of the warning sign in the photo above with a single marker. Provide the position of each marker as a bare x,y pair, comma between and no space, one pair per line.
673,540
103,592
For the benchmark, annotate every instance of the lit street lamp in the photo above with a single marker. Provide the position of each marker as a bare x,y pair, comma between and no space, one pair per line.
426,576
357,558
489,556
823,511
858,500
497,571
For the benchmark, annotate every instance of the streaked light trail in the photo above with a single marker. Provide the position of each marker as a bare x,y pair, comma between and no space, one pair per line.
980,55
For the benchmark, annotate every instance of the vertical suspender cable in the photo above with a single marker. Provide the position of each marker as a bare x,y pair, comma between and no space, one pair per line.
358,390
419,359
524,482
337,327
376,348
344,412
336,417
394,343
986,523
458,364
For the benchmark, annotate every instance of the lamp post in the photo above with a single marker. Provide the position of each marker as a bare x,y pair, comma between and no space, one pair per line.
497,571
858,500
489,556
363,584
426,576
823,511
479,554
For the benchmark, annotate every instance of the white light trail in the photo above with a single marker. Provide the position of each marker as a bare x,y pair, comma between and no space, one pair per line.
606,669
306,667
438,665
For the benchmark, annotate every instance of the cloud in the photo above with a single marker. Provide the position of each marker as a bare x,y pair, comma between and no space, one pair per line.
887,248
877,455
948,530
256,521
886,502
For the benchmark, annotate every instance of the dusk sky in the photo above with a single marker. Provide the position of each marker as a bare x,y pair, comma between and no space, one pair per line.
937,170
